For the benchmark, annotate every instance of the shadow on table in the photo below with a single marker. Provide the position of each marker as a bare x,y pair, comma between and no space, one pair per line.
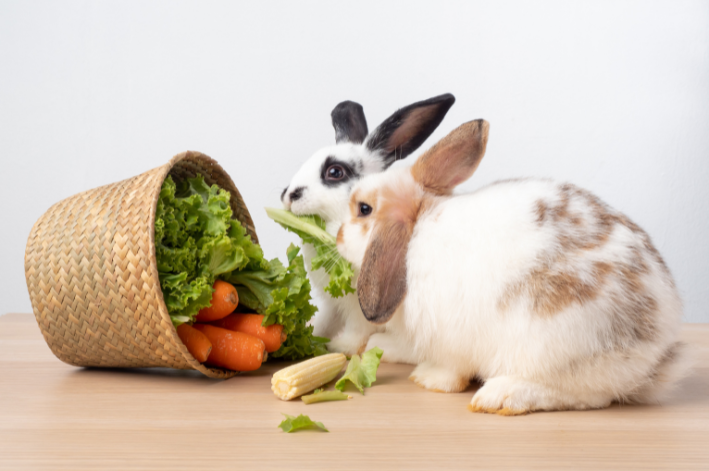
163,373
152,374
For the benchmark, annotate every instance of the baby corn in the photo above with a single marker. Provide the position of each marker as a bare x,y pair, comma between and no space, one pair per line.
304,377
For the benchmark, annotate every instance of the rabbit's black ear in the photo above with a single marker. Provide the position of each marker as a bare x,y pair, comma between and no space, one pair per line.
404,131
349,122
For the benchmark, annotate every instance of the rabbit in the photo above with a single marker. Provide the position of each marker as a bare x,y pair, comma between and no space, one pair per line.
322,187
551,298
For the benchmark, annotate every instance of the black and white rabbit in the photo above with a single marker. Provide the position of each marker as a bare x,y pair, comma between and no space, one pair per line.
322,186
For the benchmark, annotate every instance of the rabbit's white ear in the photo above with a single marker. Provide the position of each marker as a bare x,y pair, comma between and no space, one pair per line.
349,122
453,159
381,285
404,131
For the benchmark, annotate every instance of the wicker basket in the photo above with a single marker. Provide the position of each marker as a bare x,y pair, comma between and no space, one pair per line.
93,279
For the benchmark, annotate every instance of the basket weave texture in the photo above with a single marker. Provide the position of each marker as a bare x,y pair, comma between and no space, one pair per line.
92,274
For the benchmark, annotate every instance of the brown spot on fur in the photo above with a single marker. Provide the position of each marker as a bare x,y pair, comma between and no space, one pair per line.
560,212
596,231
552,289
562,277
634,308
605,221
340,235
634,319
541,211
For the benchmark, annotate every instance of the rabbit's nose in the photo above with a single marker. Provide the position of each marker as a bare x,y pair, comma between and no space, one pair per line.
283,194
296,194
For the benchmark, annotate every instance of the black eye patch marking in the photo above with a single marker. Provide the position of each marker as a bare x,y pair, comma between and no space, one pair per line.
335,172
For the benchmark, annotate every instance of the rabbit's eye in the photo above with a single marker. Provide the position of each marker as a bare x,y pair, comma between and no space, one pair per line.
335,172
365,209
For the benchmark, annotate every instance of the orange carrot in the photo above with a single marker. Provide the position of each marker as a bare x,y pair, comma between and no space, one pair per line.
233,350
272,336
196,342
224,301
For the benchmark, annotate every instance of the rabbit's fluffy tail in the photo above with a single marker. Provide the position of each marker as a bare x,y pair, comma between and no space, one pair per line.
674,365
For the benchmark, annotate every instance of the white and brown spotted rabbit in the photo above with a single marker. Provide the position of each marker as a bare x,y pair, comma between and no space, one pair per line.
539,289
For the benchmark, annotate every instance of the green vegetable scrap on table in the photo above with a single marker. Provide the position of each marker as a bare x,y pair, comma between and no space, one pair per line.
361,372
197,241
302,422
324,396
311,229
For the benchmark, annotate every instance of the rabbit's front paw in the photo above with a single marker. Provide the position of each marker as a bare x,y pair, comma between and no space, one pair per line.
503,395
394,350
510,395
347,344
438,379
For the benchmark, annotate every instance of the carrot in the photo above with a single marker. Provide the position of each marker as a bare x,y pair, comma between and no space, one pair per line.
233,350
272,335
196,342
224,301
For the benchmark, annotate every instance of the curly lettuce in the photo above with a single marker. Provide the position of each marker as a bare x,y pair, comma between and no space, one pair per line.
361,372
311,229
198,242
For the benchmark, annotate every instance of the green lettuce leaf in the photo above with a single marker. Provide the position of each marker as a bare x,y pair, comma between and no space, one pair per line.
302,422
219,255
192,244
185,298
197,241
207,208
311,229
361,372
282,295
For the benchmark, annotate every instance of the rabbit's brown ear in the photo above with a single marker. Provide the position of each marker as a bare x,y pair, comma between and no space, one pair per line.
453,159
381,285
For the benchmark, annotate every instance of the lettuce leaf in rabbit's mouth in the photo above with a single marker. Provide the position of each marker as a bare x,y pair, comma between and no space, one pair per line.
311,229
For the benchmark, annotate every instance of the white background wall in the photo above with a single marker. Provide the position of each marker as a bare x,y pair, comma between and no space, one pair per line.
613,96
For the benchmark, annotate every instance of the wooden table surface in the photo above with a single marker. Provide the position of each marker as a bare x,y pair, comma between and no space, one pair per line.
55,416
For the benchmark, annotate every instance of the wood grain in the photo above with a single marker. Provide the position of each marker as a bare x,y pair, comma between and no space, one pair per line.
55,416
